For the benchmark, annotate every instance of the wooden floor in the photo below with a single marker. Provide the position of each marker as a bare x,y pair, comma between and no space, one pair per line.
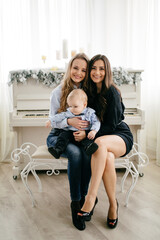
51,218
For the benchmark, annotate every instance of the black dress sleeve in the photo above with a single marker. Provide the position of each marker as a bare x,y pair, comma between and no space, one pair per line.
114,113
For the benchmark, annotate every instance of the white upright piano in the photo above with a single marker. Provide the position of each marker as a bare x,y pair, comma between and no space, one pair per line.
31,103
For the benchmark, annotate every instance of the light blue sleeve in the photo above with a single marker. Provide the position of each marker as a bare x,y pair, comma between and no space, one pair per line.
58,118
94,122
54,106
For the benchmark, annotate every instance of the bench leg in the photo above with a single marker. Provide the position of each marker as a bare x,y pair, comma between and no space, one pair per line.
30,167
24,177
134,173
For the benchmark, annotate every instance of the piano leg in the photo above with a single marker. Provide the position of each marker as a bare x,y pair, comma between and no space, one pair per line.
16,172
136,137
25,134
18,166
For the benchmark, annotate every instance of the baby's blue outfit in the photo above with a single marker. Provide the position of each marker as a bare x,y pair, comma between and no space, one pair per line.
60,120
88,114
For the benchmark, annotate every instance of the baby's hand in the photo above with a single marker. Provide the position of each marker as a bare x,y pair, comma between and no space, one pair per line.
48,124
91,134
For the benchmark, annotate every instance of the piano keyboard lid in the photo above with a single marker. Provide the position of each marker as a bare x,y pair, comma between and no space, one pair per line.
31,96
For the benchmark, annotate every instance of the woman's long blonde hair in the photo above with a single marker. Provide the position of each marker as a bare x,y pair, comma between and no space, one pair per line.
68,84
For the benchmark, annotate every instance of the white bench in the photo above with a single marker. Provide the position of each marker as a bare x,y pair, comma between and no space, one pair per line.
42,158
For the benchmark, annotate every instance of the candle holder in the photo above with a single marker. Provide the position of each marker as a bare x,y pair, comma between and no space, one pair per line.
44,58
73,53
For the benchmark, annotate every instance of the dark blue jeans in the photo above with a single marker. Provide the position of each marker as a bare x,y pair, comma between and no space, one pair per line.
79,168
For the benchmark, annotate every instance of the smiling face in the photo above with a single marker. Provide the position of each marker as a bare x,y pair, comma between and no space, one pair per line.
97,73
78,71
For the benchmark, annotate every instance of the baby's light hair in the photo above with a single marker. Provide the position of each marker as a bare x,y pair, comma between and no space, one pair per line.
78,94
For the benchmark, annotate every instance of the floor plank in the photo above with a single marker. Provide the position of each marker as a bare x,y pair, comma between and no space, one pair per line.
51,218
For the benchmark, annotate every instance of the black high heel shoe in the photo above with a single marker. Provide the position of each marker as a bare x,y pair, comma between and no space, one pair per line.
86,216
112,223
96,201
77,222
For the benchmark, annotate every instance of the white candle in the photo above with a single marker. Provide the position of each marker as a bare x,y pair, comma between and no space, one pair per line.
65,48
58,55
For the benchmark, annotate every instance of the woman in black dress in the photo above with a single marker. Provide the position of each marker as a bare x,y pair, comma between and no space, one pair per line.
114,137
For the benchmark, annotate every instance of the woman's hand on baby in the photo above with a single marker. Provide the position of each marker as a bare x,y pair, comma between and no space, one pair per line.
79,135
91,135
48,124
78,123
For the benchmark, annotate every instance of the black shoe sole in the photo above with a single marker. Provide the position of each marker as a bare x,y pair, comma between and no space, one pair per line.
92,148
54,153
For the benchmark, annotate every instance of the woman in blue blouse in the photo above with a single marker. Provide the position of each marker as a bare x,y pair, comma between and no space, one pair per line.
79,171
114,137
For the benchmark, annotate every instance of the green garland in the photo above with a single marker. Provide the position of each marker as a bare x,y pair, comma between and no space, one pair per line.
53,78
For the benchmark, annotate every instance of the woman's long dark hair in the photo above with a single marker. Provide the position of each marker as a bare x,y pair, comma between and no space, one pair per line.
98,100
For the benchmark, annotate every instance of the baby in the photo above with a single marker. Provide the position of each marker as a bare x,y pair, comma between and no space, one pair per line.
77,107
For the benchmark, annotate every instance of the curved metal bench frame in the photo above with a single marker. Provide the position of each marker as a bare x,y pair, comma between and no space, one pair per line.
57,164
